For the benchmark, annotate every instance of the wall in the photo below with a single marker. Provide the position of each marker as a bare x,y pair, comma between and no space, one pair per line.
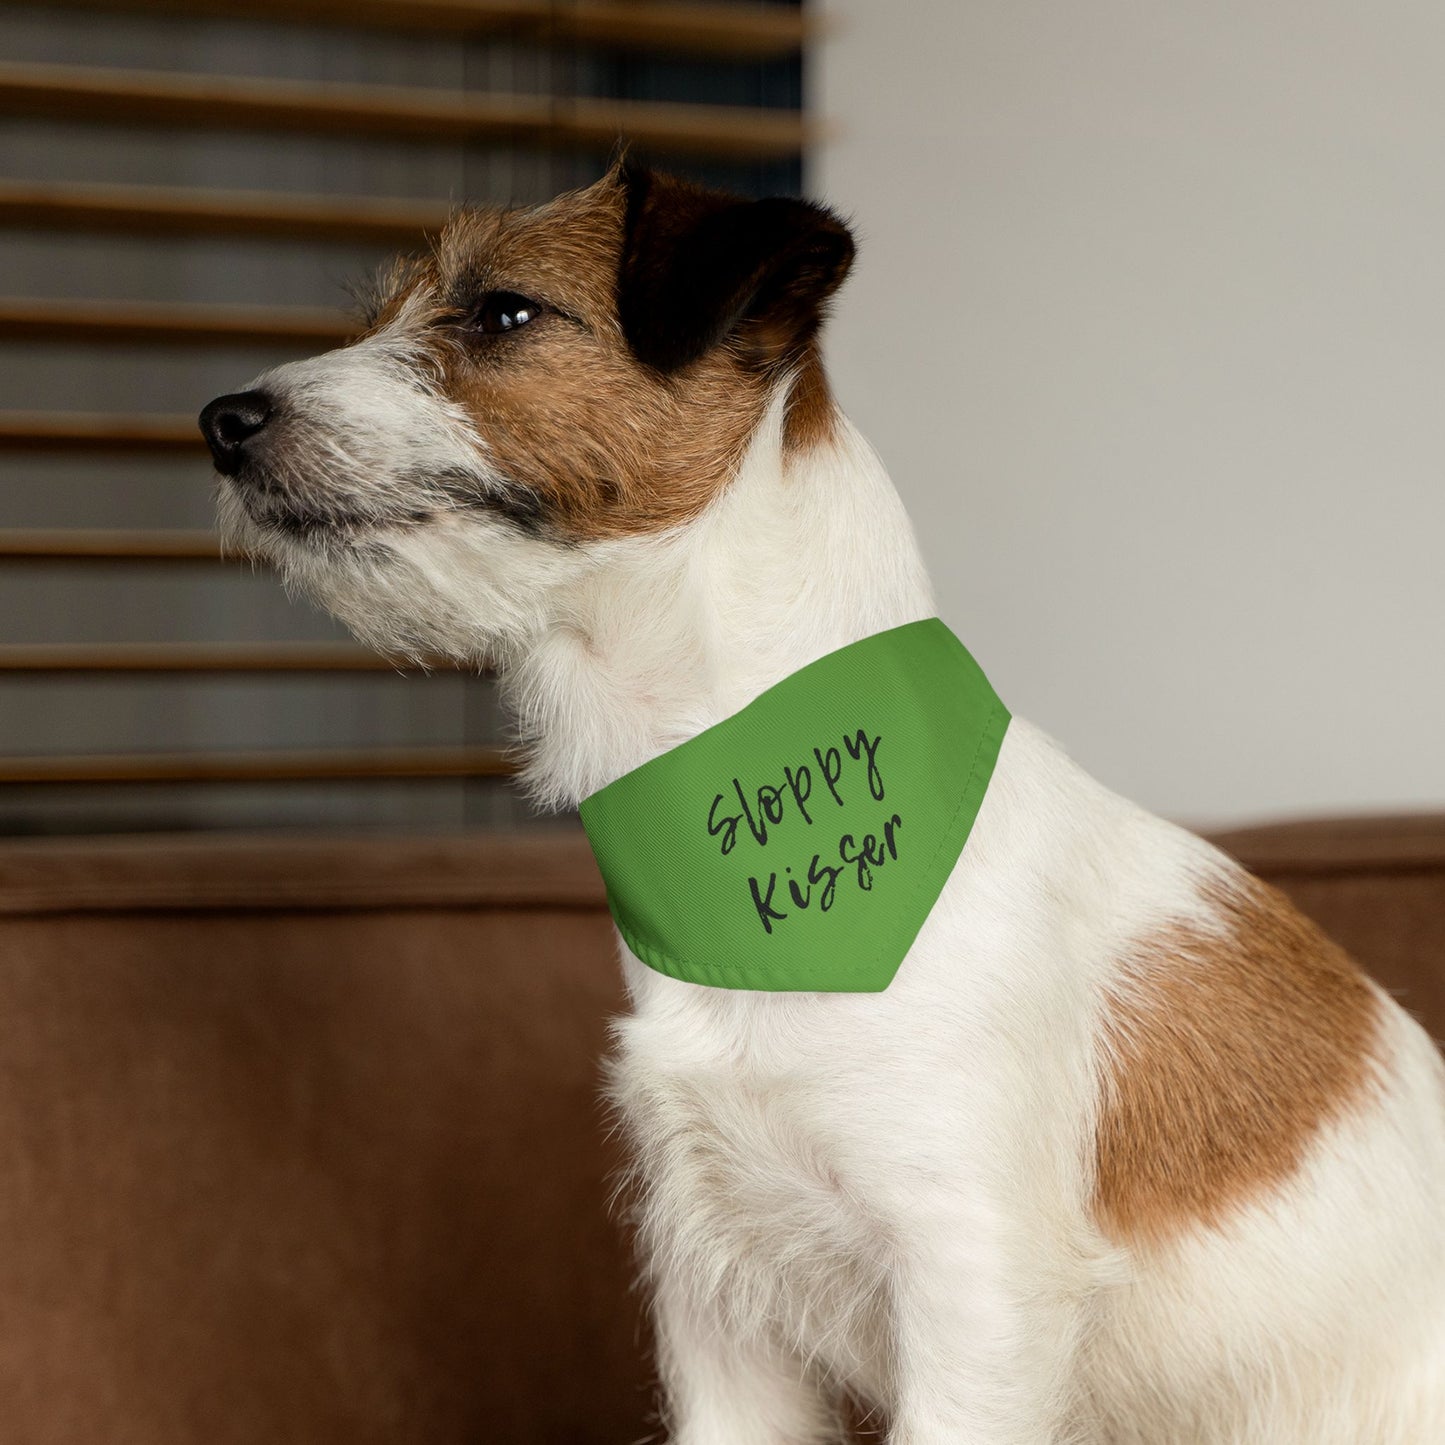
1149,324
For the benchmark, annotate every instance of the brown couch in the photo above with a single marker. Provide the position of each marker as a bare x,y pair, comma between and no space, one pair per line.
302,1142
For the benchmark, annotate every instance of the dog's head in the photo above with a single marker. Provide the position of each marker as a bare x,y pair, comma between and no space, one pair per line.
544,383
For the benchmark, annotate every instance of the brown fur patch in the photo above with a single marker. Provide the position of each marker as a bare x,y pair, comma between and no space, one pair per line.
606,445
1227,1053
811,416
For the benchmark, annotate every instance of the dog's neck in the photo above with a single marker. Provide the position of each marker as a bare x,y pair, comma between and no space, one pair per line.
802,554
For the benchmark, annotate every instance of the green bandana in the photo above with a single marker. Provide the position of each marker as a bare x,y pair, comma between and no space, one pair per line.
800,843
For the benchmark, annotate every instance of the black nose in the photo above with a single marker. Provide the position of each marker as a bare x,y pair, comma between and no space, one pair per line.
229,422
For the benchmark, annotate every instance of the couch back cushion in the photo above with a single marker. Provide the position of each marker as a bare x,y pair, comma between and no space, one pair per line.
302,1142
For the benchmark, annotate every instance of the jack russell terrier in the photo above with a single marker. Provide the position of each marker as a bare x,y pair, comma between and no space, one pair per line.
1101,1143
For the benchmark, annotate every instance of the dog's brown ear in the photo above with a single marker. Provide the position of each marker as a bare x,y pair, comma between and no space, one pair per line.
699,266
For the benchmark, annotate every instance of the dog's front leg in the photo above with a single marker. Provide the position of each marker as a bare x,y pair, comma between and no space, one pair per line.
724,1387
985,1339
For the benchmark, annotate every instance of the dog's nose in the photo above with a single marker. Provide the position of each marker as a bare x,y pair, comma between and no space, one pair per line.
229,422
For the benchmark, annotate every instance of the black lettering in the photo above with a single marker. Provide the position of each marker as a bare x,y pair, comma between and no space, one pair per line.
858,746
801,784
770,804
827,875
727,826
758,830
831,766
764,904
889,829
859,859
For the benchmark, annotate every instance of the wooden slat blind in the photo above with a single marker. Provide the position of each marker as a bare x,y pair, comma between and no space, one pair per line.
723,30
191,657
84,431
89,544
228,104
171,211
272,766
172,324
222,102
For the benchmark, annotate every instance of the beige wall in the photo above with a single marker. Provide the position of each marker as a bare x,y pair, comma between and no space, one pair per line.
1149,323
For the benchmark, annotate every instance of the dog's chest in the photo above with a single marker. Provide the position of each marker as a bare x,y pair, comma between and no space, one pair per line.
745,1187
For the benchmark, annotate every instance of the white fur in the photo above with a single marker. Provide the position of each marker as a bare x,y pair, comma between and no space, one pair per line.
889,1193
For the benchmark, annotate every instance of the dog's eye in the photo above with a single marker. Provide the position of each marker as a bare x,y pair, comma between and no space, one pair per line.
504,311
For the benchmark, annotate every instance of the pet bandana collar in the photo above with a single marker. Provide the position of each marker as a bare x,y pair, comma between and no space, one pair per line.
800,844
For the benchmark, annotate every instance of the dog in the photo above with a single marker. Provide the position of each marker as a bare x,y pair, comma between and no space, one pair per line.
1127,1153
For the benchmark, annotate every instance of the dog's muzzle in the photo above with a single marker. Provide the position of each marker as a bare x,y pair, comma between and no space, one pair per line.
231,422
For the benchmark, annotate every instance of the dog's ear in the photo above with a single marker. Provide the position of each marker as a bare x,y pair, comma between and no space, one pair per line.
699,266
